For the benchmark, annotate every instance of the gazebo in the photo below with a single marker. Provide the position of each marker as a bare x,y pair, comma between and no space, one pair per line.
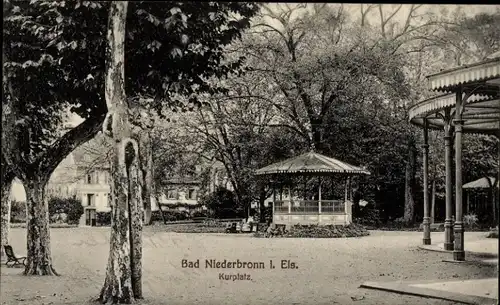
469,103
316,210
485,183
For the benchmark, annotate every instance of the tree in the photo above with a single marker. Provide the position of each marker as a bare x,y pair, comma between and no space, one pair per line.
7,179
324,72
7,175
124,270
309,55
241,131
54,54
30,117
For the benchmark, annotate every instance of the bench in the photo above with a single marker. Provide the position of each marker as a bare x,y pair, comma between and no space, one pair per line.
12,258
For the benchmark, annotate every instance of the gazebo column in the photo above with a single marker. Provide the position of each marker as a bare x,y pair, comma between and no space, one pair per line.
448,222
319,195
426,222
498,177
346,195
274,200
458,250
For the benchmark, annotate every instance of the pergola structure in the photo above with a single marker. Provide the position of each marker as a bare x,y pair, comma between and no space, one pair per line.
469,102
309,210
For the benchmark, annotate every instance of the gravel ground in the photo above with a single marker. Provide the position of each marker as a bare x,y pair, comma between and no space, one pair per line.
329,270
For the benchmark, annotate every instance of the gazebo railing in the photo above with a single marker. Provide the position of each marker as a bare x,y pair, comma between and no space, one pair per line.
332,206
309,207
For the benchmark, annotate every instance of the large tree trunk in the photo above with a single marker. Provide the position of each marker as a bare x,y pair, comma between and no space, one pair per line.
136,212
124,270
409,210
7,179
118,282
39,259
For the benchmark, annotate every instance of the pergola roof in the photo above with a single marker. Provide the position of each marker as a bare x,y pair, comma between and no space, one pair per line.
480,183
481,109
481,113
481,72
311,163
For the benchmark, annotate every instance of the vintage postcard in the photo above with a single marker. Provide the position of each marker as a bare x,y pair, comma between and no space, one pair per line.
160,152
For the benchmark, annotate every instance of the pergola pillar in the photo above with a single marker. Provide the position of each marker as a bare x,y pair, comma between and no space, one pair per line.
458,249
448,222
426,222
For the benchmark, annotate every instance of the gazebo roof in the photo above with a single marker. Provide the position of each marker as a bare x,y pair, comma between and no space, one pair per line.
311,163
479,183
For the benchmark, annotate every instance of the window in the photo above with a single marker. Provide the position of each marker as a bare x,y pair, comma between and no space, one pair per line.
109,200
90,200
192,194
171,194
96,177
88,179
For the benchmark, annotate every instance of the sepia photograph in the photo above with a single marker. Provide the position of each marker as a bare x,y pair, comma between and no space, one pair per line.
240,153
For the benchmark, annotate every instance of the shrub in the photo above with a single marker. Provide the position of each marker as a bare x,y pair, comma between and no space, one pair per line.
369,217
315,231
70,206
470,221
175,215
103,218
18,211
222,203
199,214
156,216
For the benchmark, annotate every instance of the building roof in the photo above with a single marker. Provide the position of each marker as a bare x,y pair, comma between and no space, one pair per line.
183,180
311,163
480,183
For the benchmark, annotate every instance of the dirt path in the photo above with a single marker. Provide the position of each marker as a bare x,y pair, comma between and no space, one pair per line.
329,270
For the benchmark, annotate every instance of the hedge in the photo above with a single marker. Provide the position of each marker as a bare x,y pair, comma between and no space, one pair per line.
315,231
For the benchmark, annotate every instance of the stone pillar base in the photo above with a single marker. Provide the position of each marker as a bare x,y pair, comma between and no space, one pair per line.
448,246
459,255
458,250
448,234
426,224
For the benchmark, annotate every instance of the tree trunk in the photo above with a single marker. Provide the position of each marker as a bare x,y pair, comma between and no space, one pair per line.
124,271
409,210
262,208
118,282
39,259
433,201
136,212
146,162
7,179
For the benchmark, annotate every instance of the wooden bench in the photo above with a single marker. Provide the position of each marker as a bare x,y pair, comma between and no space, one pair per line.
12,258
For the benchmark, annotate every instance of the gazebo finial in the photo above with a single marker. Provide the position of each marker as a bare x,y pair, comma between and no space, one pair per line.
312,147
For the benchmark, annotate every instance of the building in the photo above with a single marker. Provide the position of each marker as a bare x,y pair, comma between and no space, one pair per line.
85,174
